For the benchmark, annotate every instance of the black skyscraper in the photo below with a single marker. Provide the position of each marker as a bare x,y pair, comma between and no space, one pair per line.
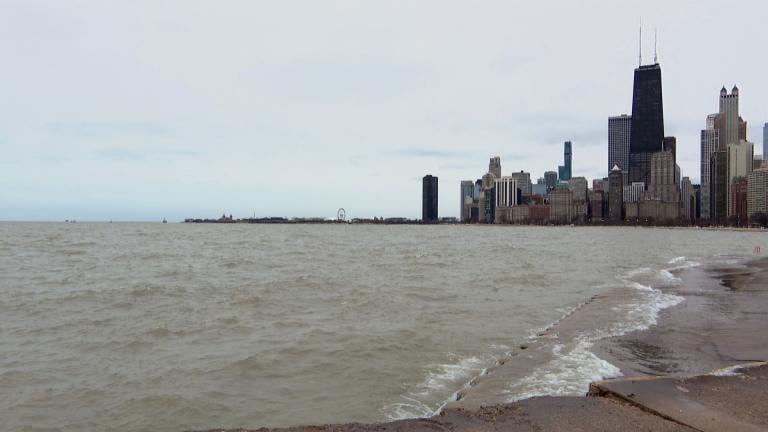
429,199
647,132
565,171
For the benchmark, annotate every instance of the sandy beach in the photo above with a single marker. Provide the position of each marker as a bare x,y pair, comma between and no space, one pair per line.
701,367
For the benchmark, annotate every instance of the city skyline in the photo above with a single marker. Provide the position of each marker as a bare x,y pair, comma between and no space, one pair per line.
651,189
146,112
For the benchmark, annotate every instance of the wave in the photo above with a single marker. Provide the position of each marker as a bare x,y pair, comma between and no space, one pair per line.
568,374
546,331
573,366
440,378
676,260
682,263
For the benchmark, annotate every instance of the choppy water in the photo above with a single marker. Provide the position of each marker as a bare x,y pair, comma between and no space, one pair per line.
172,326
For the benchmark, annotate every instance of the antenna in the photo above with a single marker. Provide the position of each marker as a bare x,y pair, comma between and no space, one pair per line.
640,54
655,53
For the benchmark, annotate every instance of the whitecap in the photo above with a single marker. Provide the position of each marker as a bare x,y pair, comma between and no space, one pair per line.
416,403
677,260
667,278
684,265
574,365
728,371
568,374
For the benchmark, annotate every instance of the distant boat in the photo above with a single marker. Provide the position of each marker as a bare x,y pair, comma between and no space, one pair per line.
164,220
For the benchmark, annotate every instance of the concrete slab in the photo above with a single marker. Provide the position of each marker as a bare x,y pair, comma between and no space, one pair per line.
706,402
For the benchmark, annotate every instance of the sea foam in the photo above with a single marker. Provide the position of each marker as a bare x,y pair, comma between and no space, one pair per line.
439,378
574,366
568,374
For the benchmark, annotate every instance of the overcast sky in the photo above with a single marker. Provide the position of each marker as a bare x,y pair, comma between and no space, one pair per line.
139,110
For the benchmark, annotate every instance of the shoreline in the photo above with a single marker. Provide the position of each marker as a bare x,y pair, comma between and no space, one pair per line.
416,222
696,345
409,223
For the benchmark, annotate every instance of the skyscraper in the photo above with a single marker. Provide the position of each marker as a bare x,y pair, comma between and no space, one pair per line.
718,186
740,162
647,130
633,192
670,145
758,192
429,199
697,200
729,109
467,193
507,191
579,187
687,200
565,171
731,131
710,142
738,201
523,182
615,194
765,142
494,166
723,129
619,132
732,127
550,179
489,198
663,183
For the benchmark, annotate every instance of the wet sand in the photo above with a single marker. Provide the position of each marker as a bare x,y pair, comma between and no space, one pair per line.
669,384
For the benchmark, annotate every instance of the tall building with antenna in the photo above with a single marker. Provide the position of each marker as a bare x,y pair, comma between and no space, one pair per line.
647,128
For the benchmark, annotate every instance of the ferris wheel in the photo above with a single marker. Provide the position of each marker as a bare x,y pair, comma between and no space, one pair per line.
341,215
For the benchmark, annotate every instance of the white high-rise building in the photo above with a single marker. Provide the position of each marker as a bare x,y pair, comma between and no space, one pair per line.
740,162
619,132
740,159
506,192
633,192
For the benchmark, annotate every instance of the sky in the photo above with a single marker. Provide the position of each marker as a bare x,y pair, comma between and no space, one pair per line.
140,110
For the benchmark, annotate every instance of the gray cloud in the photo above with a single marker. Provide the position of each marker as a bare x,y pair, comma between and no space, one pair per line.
255,95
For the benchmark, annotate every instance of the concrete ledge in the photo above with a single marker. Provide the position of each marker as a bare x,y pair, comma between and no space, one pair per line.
732,399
